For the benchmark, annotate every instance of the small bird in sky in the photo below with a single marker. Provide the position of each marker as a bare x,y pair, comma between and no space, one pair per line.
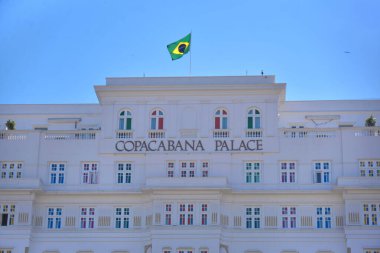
347,52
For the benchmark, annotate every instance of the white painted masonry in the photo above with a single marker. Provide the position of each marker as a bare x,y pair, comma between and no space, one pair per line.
191,165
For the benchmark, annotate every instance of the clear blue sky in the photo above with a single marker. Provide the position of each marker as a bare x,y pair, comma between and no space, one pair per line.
55,51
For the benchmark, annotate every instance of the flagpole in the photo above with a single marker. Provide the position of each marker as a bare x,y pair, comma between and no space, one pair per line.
190,50
190,61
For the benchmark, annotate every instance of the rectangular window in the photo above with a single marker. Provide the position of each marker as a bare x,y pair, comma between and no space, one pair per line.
323,217
7,213
322,172
252,172
57,173
54,218
5,250
289,217
124,173
122,217
186,214
288,172
182,219
205,168
371,213
204,208
369,168
188,168
89,173
11,170
87,217
170,169
372,250
168,214
253,217
185,251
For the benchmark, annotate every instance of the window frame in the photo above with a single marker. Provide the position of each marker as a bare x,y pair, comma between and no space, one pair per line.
221,119
126,119
205,168
125,218
253,172
288,172
204,209
322,172
124,174
168,214
253,218
58,173
9,211
190,169
93,175
157,120
371,215
88,218
254,118
11,169
186,215
288,218
323,218
369,167
56,218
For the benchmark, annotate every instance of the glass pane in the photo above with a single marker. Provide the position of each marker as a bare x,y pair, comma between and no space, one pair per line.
121,124
250,122
129,124
153,124
224,123
257,122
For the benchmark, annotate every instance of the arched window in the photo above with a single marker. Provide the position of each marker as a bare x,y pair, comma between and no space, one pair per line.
157,120
221,119
254,119
125,120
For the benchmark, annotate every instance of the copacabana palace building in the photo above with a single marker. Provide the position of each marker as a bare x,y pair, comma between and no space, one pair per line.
191,165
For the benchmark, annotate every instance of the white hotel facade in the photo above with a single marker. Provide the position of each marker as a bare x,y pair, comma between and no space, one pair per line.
191,165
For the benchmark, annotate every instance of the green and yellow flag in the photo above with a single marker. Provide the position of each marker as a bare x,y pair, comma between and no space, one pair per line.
179,48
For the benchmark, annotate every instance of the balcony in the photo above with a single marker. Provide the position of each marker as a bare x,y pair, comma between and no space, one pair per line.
13,135
367,131
186,182
253,133
220,133
70,135
124,134
156,134
300,133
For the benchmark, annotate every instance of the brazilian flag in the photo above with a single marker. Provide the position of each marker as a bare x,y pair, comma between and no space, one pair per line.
179,48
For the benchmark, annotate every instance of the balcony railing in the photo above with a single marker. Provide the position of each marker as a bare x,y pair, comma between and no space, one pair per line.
70,135
156,134
308,133
253,133
12,135
221,133
124,134
368,131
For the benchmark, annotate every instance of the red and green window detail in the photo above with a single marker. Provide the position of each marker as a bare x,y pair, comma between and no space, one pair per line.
157,120
125,120
221,119
254,119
